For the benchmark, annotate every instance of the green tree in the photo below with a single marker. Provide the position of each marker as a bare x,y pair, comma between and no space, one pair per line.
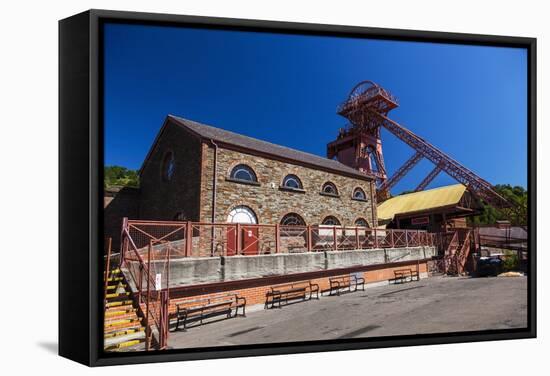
517,215
120,176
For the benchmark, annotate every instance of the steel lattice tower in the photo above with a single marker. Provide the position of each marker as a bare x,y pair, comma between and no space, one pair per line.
358,145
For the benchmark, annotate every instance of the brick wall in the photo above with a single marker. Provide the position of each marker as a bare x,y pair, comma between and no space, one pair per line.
271,203
257,294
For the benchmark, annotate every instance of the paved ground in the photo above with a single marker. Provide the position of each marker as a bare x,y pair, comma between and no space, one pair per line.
437,304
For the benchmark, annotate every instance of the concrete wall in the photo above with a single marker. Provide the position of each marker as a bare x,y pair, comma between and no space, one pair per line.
192,271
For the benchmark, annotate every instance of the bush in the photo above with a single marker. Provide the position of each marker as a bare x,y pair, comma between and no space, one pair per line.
511,262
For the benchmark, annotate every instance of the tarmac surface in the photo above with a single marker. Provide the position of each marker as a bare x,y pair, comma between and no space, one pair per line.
432,305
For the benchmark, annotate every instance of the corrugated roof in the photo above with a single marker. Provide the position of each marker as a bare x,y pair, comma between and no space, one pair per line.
421,201
218,134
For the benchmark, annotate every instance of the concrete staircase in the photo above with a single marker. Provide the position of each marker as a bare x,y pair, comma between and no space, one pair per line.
123,329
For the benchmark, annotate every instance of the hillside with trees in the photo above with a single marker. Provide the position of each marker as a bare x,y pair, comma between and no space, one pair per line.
515,194
118,176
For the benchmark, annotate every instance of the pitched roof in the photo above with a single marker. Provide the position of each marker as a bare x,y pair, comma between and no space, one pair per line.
421,201
217,134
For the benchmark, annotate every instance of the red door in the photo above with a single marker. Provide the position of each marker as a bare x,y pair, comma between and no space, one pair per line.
231,241
250,240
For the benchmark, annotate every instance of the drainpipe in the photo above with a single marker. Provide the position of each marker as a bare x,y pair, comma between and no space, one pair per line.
373,205
214,179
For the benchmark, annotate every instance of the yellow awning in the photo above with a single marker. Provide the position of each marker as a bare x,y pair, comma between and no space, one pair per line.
421,201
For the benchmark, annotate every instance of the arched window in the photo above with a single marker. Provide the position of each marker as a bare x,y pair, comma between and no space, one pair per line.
292,219
359,194
292,181
168,166
244,173
361,222
330,189
242,214
331,221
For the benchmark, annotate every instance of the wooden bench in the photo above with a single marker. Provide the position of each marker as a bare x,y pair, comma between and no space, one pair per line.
200,309
290,291
405,275
349,282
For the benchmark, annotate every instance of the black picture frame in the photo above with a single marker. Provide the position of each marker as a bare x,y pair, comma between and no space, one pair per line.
81,188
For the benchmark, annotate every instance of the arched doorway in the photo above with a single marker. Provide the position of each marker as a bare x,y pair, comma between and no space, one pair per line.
249,235
242,214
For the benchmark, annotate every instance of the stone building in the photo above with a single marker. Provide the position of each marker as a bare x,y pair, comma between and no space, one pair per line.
204,174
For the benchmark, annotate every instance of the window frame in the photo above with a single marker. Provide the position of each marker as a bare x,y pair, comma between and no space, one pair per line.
359,189
301,219
246,168
329,183
295,177
338,223
361,219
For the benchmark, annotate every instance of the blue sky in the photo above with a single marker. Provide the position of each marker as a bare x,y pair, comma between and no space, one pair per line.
470,101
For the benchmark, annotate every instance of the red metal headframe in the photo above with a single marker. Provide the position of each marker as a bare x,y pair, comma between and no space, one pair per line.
367,108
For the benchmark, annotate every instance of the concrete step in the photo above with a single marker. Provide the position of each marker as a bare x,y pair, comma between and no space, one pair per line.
115,286
125,340
123,332
121,325
118,295
110,322
119,303
120,316
115,279
118,311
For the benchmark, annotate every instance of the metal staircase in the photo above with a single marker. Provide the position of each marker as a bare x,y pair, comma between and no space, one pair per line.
457,245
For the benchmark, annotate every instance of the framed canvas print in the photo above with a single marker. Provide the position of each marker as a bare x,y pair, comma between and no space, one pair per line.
237,187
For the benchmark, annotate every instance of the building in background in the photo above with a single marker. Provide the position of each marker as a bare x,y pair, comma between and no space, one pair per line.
434,210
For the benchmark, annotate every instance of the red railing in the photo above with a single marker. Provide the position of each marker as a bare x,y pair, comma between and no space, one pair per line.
148,269
454,249
148,246
231,239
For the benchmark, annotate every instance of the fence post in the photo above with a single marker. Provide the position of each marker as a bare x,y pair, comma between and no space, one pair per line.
392,240
107,268
239,239
147,327
406,239
277,238
189,238
375,239
309,238
356,238
335,239
140,286
123,236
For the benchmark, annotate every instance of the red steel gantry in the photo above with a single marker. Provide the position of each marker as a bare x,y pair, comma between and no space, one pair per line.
359,145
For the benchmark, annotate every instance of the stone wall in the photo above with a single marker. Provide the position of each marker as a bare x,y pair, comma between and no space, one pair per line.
179,196
269,202
118,203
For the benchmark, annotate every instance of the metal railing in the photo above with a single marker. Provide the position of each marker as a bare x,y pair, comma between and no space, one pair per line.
148,246
454,249
232,239
148,268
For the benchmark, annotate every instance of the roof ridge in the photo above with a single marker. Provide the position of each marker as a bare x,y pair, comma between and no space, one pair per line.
189,124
